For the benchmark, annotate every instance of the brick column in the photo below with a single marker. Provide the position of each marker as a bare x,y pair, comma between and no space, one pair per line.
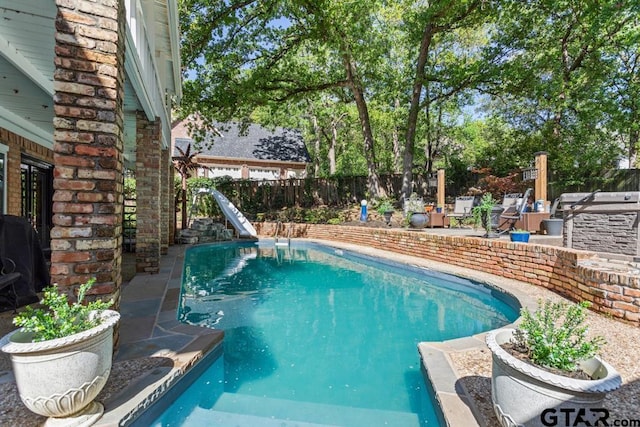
172,203
165,210
86,239
148,195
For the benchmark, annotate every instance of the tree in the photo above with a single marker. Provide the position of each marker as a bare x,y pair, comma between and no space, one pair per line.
185,163
554,77
433,82
246,54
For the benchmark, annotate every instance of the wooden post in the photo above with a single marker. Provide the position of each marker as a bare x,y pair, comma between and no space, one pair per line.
540,189
441,190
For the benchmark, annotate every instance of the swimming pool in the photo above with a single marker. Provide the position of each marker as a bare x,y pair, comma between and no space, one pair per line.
319,336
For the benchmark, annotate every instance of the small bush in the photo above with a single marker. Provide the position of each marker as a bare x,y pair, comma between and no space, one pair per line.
59,318
555,336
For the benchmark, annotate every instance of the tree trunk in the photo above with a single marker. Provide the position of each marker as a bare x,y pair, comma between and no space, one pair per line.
397,153
332,147
316,157
373,181
414,108
184,203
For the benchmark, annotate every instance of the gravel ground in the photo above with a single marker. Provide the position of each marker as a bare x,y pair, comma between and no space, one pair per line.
621,350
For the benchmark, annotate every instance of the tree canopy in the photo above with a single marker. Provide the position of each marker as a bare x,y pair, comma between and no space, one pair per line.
411,86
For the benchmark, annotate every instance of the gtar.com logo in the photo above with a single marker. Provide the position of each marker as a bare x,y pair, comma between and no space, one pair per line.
582,417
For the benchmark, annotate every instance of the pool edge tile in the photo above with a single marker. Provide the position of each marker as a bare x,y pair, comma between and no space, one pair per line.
454,403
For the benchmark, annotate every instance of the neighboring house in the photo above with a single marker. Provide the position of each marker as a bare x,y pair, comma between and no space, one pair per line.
86,92
258,153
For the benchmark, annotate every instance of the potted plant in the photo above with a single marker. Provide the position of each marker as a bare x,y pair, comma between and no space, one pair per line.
61,356
519,235
385,208
486,214
414,208
548,367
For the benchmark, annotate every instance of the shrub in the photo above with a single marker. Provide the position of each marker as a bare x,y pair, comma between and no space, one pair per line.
59,318
555,336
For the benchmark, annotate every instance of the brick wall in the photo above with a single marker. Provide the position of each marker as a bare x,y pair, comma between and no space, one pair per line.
558,269
148,194
18,146
166,218
86,239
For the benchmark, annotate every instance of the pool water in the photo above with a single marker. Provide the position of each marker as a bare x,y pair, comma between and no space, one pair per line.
319,336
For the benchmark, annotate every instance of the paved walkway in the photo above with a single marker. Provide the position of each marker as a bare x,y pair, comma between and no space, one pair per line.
154,348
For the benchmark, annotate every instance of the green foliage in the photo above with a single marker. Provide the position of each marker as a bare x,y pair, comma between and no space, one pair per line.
453,84
414,204
555,336
482,212
384,205
129,188
59,318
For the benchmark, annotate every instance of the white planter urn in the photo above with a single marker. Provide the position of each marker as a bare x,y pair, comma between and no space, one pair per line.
525,395
59,378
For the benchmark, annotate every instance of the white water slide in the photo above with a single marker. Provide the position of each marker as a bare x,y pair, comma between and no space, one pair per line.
233,215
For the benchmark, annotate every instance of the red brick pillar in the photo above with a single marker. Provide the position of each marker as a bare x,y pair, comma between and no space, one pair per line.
165,210
86,239
148,195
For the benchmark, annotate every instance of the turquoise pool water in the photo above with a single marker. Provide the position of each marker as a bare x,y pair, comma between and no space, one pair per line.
318,336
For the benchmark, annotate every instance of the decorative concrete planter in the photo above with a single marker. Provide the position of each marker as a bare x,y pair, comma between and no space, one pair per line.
419,219
59,378
387,216
525,395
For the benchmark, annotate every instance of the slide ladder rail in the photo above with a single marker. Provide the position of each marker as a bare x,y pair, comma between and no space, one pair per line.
282,241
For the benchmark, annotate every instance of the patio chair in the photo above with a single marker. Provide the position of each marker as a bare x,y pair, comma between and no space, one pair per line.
511,215
462,208
510,200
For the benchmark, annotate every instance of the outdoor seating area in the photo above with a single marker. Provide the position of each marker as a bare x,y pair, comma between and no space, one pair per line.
509,217
462,208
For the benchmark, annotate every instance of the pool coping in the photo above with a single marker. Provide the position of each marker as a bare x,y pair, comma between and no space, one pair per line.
167,335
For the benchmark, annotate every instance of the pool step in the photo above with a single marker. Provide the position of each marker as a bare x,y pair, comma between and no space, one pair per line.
244,410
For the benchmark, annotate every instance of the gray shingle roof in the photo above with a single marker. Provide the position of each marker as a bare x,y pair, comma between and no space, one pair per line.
258,143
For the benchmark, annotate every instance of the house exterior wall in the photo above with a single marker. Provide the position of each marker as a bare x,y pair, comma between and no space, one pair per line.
249,169
240,168
17,146
166,205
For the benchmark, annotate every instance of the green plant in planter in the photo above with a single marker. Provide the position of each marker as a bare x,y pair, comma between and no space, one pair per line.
59,318
413,204
482,212
555,336
384,205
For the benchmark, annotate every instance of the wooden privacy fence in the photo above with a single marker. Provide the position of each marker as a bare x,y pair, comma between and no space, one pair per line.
609,180
260,196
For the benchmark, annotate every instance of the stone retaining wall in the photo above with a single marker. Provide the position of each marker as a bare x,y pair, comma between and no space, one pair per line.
616,293
610,232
